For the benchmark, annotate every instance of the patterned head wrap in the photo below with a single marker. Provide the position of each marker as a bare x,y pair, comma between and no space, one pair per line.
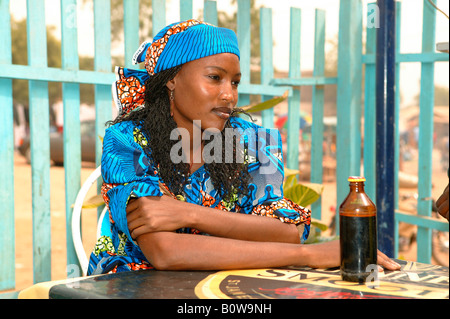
176,44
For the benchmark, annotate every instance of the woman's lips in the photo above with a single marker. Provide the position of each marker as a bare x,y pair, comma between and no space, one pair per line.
222,112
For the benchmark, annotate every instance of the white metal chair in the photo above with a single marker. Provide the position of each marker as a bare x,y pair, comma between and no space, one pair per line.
76,220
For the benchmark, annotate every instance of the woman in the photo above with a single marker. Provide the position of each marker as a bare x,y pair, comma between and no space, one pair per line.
172,211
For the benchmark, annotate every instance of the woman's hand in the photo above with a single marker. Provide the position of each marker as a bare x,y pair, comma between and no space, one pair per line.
154,214
327,255
442,204
386,262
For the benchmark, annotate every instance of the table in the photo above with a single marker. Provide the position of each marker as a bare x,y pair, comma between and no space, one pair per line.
414,281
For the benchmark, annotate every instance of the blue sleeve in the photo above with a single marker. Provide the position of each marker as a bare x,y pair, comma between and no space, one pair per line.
265,165
126,171
266,168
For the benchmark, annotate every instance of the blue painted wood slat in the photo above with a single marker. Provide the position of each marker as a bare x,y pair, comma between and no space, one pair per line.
424,241
317,110
411,57
71,132
244,42
317,80
131,30
102,63
349,97
7,231
16,71
186,10
264,89
266,43
40,145
210,12
158,16
293,122
369,151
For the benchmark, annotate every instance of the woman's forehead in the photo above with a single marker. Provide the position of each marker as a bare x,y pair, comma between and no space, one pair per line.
226,62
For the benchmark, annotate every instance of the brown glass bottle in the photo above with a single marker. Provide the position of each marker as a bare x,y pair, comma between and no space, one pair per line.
358,232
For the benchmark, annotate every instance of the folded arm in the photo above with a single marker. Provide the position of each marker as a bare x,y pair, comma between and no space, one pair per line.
155,214
239,241
173,251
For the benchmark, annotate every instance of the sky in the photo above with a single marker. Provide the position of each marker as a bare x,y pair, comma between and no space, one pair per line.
410,35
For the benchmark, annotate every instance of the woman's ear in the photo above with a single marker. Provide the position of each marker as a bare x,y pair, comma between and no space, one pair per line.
171,84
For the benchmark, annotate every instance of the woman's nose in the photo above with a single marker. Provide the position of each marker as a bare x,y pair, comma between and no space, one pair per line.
228,93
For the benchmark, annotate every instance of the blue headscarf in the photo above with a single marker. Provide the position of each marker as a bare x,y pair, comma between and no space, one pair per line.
174,45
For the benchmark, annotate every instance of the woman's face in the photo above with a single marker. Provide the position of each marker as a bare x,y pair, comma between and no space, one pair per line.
205,90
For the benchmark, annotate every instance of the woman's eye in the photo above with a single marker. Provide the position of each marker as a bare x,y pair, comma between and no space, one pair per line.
214,77
235,83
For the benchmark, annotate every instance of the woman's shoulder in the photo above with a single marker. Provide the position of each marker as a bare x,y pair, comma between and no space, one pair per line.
124,133
121,127
124,130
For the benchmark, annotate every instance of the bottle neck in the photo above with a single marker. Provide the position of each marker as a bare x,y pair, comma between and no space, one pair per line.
357,187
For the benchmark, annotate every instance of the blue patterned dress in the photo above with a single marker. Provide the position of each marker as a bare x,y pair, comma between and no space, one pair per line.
128,172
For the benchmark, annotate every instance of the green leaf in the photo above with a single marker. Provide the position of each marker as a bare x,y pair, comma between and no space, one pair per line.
318,224
289,172
304,194
266,104
316,239
290,178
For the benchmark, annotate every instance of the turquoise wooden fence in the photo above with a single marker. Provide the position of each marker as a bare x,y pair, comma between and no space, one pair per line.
38,74
427,58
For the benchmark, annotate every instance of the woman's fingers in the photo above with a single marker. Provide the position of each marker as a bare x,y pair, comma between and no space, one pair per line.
442,204
132,204
443,198
136,232
386,262
135,224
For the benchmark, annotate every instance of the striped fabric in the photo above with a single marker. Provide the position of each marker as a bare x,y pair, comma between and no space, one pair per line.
196,42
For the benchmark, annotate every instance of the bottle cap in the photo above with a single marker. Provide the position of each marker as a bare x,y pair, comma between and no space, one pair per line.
356,179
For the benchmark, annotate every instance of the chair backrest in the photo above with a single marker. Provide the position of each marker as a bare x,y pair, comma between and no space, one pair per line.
76,220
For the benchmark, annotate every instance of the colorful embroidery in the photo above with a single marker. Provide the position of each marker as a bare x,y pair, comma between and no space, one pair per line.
272,210
139,138
104,243
129,92
122,242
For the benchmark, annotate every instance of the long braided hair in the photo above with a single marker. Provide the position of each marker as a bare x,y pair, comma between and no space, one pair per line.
157,124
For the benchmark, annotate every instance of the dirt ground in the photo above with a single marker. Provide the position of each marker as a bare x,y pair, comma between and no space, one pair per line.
23,221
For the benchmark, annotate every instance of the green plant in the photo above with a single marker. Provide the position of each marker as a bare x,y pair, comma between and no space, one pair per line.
266,104
304,194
